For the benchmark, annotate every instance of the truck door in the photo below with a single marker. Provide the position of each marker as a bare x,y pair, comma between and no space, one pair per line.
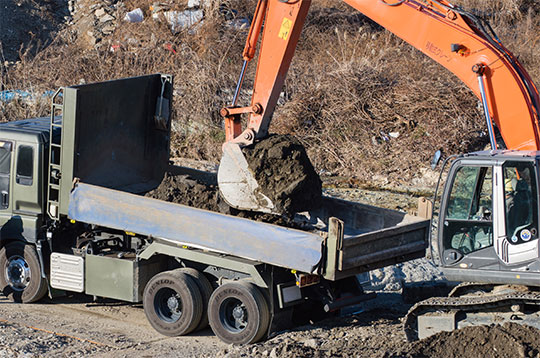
517,229
5,180
467,218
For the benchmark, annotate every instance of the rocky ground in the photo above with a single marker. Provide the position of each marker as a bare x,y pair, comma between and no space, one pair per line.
77,326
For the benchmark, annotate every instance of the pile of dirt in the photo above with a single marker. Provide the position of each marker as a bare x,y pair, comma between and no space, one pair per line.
284,173
182,189
507,340
379,334
186,190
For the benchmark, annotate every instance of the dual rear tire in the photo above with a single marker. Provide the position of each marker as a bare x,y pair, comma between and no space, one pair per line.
173,303
181,301
238,313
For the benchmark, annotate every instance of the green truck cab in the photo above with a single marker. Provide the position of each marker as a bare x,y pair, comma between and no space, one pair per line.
23,152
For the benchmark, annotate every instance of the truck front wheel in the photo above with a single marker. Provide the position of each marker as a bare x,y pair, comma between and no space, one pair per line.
20,275
173,303
238,313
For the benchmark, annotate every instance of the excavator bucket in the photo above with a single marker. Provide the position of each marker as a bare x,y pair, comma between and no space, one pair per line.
273,175
237,184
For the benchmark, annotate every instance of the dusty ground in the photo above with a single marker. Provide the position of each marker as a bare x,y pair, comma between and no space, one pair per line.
76,326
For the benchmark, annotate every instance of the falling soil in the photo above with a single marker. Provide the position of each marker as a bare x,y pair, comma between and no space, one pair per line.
281,167
284,173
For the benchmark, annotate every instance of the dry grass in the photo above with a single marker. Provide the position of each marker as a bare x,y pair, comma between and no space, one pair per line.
351,84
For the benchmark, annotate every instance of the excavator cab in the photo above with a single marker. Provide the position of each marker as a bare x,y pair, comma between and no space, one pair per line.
488,221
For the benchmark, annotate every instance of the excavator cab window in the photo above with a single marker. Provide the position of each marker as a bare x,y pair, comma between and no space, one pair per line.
520,201
468,223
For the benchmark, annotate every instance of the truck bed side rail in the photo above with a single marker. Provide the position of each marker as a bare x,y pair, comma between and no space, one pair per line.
350,255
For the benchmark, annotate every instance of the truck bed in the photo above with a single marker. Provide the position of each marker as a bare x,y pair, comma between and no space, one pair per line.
343,239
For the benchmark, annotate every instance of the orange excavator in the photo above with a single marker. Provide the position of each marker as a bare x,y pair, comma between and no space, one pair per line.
488,218
456,39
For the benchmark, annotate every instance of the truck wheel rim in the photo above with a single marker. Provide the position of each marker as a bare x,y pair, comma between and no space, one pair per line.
233,315
17,273
168,305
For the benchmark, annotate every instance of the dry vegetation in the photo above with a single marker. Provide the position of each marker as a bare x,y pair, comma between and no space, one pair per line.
350,84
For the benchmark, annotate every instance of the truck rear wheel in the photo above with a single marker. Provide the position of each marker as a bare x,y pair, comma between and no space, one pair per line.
206,290
238,313
20,275
173,303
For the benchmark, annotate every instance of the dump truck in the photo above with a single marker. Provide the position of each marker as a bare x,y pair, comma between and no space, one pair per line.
74,219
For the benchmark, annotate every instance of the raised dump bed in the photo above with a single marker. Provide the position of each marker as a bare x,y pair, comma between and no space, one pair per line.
107,134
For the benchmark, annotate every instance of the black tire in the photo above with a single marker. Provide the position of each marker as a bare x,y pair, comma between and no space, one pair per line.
206,289
238,313
172,303
20,273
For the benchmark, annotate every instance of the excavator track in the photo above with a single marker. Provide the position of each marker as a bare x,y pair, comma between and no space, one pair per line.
448,313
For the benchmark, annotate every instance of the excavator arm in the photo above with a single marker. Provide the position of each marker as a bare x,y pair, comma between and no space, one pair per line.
454,38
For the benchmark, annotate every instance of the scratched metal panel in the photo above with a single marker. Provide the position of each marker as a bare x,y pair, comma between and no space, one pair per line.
109,137
262,242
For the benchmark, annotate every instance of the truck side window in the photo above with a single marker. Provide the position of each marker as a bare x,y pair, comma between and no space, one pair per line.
520,201
468,222
25,165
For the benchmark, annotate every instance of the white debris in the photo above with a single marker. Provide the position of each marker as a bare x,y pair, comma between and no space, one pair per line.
391,278
106,18
179,20
100,12
134,16
240,23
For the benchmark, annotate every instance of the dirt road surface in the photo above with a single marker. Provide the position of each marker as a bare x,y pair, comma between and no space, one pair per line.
76,326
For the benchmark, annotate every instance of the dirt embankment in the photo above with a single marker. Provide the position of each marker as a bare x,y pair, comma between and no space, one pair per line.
27,25
364,104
